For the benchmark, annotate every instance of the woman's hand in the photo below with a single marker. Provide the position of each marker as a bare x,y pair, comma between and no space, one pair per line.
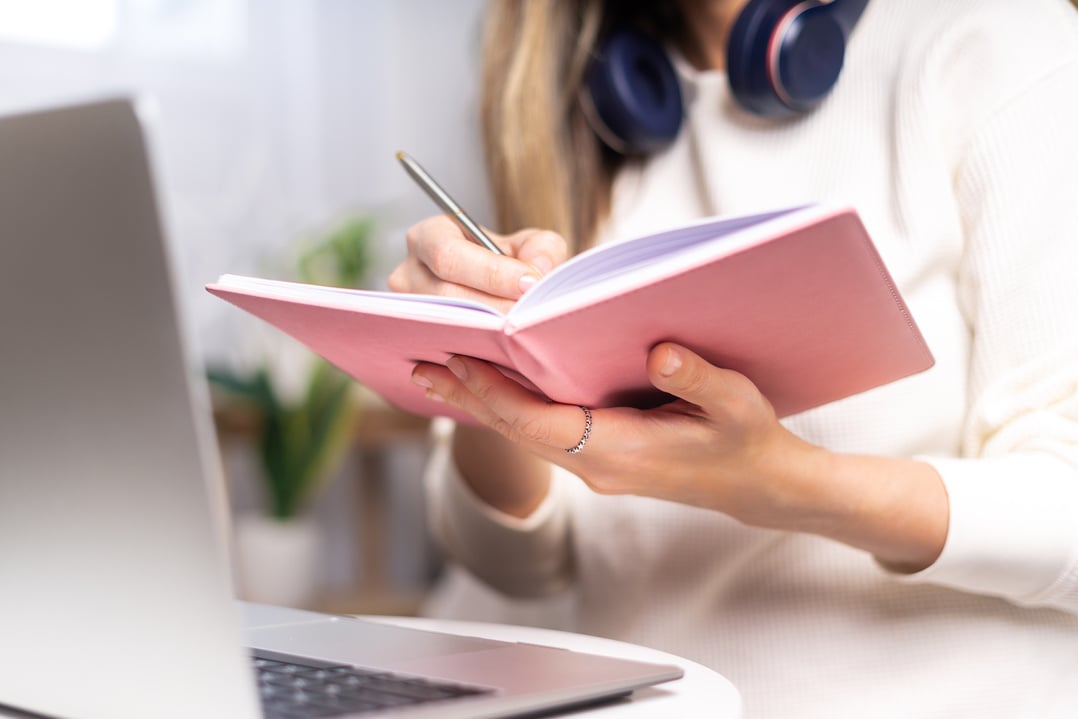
711,448
718,446
442,261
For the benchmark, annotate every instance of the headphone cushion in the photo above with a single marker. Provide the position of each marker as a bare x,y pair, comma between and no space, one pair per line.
810,58
634,93
784,56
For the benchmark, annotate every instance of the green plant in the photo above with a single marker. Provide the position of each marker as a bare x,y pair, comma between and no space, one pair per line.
342,258
301,442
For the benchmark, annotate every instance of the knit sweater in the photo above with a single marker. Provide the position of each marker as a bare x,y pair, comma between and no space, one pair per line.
954,132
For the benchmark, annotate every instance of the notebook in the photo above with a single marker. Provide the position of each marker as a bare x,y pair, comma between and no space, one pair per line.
797,299
115,598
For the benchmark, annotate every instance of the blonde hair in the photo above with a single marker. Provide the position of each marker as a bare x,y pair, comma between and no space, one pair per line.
546,167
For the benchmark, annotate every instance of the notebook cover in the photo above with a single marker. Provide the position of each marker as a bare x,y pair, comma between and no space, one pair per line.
811,316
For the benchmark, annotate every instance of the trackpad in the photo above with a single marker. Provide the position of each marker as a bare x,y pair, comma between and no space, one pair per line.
359,642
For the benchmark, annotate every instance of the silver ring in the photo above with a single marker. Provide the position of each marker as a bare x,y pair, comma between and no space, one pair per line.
587,432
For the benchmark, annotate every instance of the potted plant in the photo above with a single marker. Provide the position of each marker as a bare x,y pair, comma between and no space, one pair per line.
300,441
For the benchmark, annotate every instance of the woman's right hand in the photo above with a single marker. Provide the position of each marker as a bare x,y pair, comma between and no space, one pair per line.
442,261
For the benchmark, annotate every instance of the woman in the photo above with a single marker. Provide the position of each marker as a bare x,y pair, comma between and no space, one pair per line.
911,551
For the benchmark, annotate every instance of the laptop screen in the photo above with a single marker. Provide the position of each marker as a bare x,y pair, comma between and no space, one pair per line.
110,557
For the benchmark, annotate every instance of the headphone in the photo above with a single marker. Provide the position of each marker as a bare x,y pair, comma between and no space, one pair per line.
782,59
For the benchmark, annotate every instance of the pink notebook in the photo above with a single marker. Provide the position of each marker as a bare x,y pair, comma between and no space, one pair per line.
798,300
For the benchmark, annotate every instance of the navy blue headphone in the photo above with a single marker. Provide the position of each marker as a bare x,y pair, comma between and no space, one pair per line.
782,59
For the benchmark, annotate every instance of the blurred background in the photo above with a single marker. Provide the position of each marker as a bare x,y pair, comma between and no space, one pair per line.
273,127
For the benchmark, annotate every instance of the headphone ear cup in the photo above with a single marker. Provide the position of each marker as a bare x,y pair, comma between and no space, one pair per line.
633,96
784,56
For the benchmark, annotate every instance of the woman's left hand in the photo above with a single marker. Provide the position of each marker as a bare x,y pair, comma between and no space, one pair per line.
719,445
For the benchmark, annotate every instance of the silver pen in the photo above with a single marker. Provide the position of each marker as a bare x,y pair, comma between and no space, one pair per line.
441,197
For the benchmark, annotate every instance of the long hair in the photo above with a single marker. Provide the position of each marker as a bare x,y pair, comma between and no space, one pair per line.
546,167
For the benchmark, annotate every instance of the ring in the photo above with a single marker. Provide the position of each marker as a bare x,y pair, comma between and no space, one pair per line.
587,432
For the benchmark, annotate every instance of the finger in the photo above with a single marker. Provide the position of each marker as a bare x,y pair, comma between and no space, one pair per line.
411,276
543,250
439,384
440,245
679,371
415,277
515,412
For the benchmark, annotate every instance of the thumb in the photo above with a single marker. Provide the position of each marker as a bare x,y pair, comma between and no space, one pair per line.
683,373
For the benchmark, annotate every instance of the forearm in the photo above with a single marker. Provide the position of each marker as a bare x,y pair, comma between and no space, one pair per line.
525,557
499,472
895,509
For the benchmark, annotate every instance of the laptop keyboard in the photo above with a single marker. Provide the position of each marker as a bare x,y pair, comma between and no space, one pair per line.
301,688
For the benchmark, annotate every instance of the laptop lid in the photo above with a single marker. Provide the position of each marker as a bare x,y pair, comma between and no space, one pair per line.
115,599
94,392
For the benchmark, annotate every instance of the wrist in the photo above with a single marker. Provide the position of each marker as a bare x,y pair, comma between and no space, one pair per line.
895,509
499,473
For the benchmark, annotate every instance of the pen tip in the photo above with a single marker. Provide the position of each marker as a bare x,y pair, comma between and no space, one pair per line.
400,155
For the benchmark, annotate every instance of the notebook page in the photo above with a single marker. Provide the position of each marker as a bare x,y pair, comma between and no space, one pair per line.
591,271
388,303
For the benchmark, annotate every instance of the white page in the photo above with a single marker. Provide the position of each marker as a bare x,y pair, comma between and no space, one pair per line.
389,303
598,271
609,269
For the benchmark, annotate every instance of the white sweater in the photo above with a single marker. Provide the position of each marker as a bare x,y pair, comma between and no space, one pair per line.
954,131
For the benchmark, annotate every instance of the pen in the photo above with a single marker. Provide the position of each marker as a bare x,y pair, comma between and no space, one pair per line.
442,198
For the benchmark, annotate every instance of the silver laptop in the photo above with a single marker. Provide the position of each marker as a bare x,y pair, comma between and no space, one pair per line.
114,591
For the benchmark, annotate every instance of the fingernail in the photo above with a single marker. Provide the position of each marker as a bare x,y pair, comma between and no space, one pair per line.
434,396
527,281
672,363
422,381
457,367
543,264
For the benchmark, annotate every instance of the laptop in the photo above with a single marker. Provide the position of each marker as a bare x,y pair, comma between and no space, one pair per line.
115,596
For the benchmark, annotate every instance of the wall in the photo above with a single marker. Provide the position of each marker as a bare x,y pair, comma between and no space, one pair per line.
274,119
270,121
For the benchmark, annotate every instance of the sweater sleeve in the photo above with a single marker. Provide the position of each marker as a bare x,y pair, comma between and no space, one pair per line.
527,557
1014,491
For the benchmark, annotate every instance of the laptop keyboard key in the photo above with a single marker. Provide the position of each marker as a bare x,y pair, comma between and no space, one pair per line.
311,690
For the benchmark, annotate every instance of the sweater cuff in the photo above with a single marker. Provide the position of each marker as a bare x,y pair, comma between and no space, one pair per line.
1013,529
522,557
474,514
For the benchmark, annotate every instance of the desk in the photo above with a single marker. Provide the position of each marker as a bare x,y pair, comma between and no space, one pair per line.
702,692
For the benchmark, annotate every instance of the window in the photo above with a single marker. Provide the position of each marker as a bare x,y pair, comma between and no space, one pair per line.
207,29
71,24
203,29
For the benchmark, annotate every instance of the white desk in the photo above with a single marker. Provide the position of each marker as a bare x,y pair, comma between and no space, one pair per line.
702,692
